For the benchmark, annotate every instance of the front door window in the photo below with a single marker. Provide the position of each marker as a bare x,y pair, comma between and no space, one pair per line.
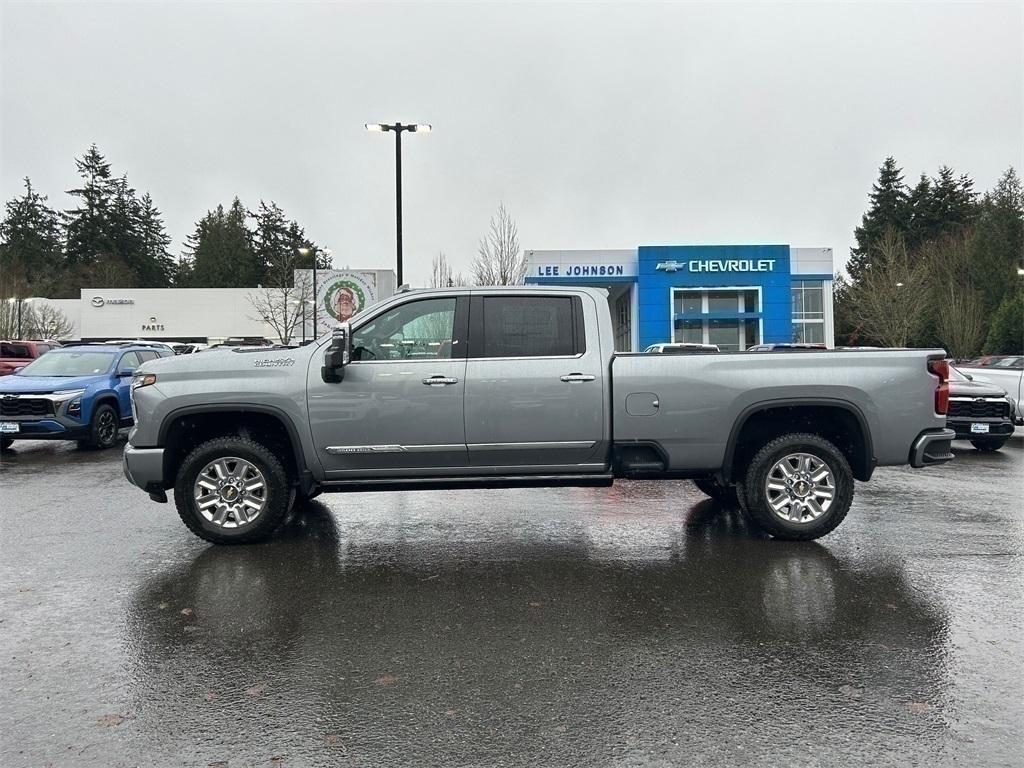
418,330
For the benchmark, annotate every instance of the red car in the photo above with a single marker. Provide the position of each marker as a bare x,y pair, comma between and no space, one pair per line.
14,354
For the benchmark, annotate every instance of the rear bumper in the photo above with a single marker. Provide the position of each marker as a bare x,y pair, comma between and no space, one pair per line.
144,467
932,447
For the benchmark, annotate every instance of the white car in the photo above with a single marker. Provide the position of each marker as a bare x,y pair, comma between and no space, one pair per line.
679,348
1006,371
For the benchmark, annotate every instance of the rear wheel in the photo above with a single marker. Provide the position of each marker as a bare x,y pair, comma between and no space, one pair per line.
989,445
798,487
102,428
725,494
232,490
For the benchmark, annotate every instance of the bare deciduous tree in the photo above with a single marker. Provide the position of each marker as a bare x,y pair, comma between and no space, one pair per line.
45,321
441,274
887,304
8,319
498,260
284,308
959,309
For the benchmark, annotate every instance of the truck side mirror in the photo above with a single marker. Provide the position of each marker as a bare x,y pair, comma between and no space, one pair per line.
338,355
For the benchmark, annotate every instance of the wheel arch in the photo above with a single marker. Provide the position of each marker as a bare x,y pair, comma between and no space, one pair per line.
185,427
771,418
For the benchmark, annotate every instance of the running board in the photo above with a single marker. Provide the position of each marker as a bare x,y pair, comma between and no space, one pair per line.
457,483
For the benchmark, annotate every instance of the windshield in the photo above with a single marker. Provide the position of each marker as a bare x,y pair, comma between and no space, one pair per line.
84,363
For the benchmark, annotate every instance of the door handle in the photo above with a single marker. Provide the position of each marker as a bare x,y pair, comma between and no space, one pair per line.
578,377
440,381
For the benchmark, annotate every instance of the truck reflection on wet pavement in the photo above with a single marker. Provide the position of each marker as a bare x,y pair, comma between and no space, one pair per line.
637,625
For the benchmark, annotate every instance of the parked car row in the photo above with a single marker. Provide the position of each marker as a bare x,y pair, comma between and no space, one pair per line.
78,392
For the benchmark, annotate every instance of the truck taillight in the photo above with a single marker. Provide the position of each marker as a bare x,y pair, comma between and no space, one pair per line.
940,368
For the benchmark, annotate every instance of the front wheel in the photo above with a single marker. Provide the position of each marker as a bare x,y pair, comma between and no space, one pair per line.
798,487
987,446
232,490
102,428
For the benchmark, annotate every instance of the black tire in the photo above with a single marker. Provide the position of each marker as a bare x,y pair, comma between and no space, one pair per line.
987,446
754,490
278,493
103,428
723,494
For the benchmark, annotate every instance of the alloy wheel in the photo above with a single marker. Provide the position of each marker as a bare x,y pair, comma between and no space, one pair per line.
800,487
230,492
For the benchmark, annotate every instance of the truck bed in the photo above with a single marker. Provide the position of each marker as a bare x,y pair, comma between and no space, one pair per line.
702,400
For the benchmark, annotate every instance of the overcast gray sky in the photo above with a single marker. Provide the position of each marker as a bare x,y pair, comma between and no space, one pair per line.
599,126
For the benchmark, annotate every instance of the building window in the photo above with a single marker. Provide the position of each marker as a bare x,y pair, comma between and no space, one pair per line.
715,316
623,323
808,312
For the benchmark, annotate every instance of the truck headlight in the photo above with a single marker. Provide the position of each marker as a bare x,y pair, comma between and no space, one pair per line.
143,380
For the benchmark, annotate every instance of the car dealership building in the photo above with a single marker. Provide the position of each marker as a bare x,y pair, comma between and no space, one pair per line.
211,315
734,296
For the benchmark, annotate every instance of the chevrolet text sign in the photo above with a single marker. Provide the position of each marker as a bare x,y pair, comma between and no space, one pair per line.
715,265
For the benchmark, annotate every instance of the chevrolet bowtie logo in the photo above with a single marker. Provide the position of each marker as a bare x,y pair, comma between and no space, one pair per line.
669,266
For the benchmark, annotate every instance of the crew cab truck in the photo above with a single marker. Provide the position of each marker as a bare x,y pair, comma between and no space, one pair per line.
501,387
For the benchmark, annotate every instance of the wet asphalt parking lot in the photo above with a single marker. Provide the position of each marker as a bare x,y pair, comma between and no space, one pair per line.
640,625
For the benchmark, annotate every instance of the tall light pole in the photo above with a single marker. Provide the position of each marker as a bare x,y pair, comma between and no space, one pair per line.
12,300
305,252
398,129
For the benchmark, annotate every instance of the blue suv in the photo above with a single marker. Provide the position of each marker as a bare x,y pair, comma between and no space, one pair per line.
73,393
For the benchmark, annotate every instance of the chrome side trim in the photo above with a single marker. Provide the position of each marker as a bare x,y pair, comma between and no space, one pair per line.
342,449
552,445
967,399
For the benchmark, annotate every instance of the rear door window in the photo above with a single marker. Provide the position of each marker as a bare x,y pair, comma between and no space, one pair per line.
15,350
530,326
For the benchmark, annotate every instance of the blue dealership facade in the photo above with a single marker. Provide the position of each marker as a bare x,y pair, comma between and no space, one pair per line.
734,296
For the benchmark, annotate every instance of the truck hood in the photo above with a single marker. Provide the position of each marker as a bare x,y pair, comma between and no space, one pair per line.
44,384
975,388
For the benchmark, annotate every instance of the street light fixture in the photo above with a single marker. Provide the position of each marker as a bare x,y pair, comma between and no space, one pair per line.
398,129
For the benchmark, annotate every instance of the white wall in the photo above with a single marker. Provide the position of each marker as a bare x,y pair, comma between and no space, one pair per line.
168,313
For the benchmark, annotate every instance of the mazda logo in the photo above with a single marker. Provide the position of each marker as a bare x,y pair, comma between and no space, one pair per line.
97,301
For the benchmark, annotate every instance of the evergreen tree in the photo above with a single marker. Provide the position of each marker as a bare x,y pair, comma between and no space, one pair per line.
88,225
997,247
277,241
220,253
954,204
156,267
888,210
1006,334
30,246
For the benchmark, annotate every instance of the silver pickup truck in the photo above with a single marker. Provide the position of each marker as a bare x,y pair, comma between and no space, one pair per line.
502,387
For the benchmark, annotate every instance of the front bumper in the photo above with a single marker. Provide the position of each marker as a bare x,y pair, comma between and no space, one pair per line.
45,429
996,428
144,467
932,447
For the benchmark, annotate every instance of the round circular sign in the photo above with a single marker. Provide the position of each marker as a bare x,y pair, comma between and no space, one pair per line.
343,298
